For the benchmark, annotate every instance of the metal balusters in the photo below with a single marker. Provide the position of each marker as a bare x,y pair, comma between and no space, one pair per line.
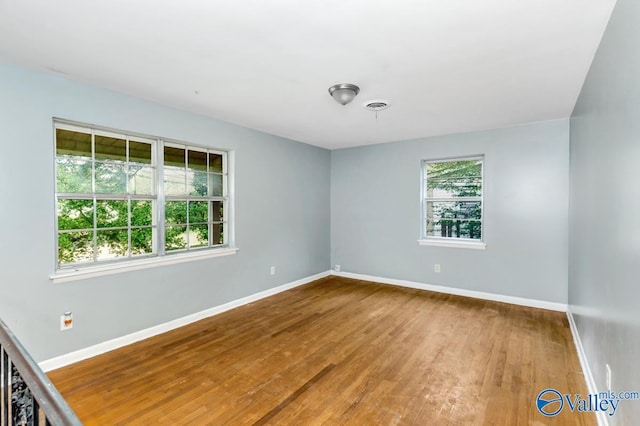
4,386
27,396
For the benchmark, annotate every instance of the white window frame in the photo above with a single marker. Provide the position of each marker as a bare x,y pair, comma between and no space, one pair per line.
187,198
469,243
159,256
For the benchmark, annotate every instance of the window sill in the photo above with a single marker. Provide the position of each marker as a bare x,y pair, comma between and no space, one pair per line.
63,276
475,245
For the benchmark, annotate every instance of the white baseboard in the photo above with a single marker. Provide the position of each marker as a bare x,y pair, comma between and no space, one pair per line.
542,304
586,370
109,345
118,342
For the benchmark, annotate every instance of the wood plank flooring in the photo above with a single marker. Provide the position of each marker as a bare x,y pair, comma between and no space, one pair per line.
336,352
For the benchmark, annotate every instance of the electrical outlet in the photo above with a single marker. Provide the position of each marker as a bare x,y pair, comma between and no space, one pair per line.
336,268
273,270
66,321
436,267
608,367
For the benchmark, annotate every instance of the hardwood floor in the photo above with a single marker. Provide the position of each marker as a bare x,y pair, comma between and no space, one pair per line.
338,351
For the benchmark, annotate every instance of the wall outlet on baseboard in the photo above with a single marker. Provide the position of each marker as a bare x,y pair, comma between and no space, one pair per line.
273,270
608,368
436,267
66,321
336,268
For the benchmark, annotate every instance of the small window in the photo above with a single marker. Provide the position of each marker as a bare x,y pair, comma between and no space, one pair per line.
121,197
452,199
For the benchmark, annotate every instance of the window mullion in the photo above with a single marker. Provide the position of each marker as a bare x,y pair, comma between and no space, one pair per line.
129,229
95,229
453,199
127,189
209,217
160,213
186,196
93,196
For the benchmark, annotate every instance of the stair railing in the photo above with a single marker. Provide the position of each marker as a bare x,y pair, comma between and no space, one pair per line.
27,396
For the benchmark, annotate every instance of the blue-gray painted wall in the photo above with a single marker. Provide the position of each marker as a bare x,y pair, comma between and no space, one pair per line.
282,217
604,272
304,209
375,212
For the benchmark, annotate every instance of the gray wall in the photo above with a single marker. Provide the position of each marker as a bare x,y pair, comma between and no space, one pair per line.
282,217
375,212
604,289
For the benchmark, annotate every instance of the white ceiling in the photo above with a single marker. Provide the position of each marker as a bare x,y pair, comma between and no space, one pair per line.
445,66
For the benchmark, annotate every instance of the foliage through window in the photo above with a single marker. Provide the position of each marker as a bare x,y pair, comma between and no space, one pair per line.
121,196
452,199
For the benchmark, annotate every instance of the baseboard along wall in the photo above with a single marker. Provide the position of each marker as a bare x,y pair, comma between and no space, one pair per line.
584,363
100,348
118,342
542,304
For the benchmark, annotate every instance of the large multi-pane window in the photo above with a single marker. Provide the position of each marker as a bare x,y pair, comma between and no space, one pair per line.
121,196
452,199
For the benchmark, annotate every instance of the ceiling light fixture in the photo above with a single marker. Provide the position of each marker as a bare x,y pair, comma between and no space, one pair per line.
344,93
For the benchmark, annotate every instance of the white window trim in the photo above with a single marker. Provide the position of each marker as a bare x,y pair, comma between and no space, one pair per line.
450,242
62,276
458,243
81,271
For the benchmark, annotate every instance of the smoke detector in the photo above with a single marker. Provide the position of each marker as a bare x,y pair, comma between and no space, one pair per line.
376,105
